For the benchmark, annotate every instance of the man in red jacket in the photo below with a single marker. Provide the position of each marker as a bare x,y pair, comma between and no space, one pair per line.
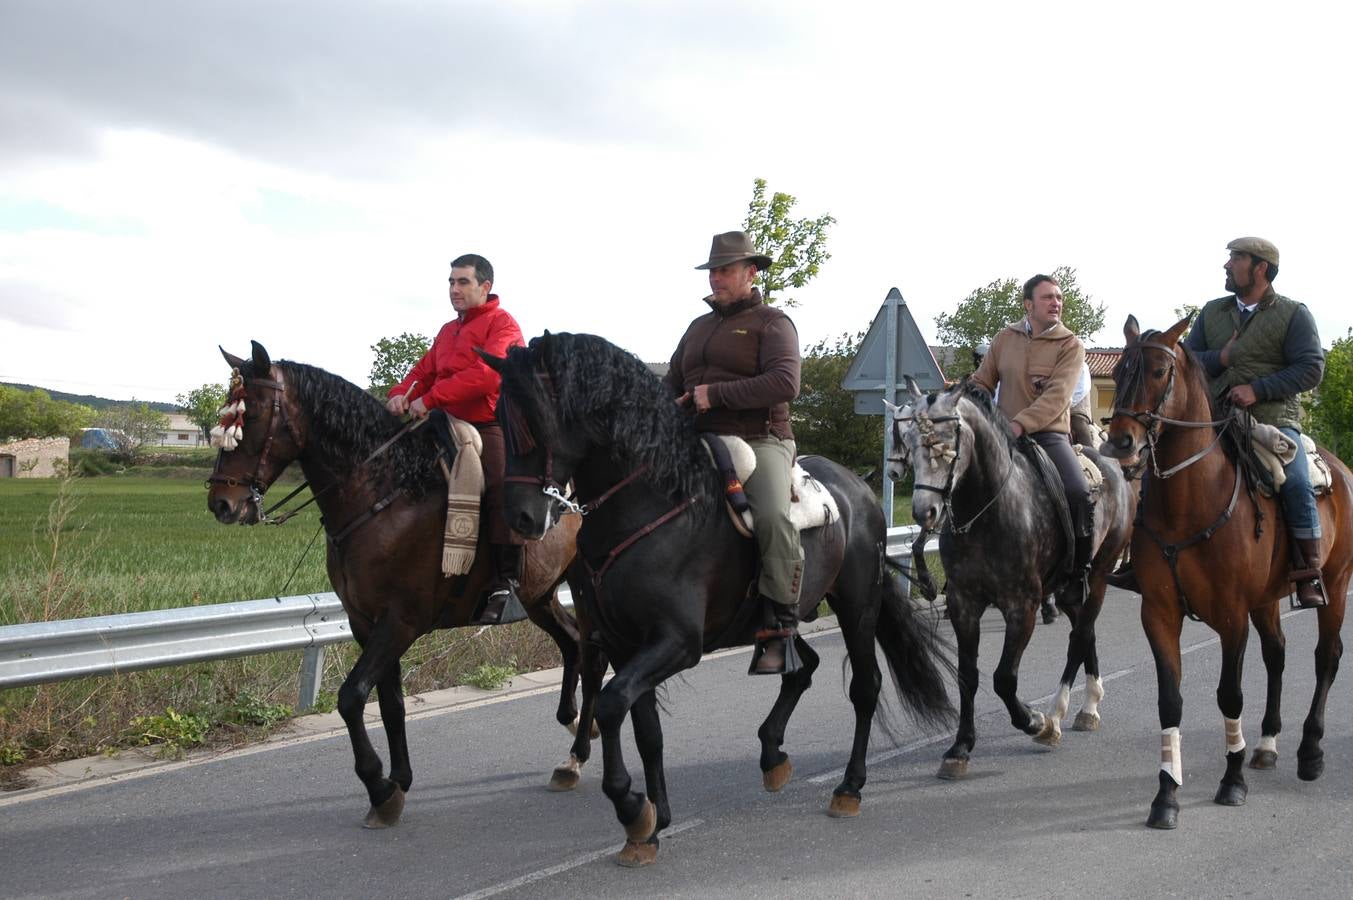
451,377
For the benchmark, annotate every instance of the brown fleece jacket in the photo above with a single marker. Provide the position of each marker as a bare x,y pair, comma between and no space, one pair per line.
1037,375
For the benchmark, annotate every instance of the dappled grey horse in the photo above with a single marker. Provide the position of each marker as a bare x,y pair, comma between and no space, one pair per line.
1003,544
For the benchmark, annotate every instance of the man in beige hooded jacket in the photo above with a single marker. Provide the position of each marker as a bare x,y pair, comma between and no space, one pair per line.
1037,362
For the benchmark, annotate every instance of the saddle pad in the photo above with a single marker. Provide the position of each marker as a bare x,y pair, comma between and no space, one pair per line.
811,504
1322,480
1093,476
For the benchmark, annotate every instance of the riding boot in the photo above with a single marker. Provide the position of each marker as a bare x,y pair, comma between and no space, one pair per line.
774,652
1125,577
1083,522
499,604
1305,574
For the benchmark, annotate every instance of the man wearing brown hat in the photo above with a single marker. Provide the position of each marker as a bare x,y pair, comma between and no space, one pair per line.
737,368
1261,350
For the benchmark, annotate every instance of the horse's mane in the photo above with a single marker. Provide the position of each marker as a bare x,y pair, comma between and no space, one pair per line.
350,424
981,398
609,394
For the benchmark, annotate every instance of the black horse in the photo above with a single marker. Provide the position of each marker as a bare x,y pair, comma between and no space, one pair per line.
663,576
1002,544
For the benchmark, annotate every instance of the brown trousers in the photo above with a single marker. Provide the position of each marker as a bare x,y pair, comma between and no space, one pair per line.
494,457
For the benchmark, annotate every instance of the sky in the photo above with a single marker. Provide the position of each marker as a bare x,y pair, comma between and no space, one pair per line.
177,176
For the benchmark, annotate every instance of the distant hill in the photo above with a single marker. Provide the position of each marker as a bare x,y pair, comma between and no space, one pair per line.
89,400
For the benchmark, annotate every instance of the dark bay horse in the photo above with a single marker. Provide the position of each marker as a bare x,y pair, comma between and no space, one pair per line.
1206,547
662,575
1003,545
384,518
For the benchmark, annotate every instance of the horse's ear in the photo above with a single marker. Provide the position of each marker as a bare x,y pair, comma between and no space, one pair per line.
495,363
1131,330
892,410
231,359
1176,332
913,388
261,361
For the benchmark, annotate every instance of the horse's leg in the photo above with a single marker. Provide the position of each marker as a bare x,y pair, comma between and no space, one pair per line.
1231,701
541,612
966,622
390,697
592,668
1019,627
648,739
1274,646
380,655
1082,652
1162,622
637,676
776,769
865,682
1328,649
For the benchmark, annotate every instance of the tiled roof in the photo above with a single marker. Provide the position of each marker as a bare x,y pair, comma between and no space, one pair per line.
1101,362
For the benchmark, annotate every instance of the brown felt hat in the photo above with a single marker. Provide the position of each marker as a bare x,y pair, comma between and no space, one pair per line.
1256,246
731,247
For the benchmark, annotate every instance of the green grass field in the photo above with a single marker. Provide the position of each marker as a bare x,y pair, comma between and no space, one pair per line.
128,543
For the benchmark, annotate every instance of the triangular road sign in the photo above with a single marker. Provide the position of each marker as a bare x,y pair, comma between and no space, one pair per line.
868,373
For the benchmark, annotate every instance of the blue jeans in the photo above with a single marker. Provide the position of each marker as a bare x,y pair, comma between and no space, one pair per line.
1297,495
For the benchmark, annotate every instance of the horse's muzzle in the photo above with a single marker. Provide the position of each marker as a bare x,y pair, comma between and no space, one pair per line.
1122,447
228,512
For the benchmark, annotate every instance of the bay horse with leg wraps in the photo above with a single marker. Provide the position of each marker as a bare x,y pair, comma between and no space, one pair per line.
383,502
1003,544
662,575
1201,549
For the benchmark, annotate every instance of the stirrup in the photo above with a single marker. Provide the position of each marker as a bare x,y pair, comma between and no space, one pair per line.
765,658
498,607
1309,577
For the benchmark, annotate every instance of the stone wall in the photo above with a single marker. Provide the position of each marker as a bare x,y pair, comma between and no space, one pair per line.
35,457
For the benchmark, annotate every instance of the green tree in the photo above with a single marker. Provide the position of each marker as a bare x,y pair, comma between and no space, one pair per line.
394,357
824,417
984,312
33,414
203,406
131,426
797,247
1330,415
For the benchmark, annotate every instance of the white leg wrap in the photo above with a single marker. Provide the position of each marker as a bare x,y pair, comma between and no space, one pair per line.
1094,692
1171,761
1062,703
1235,738
1269,742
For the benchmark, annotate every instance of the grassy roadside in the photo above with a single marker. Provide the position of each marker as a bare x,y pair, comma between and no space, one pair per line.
127,543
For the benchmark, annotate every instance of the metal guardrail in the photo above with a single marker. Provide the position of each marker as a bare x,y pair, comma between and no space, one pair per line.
45,652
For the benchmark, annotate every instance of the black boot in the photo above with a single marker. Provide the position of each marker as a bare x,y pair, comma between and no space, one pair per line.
1083,523
774,652
1124,577
1305,574
499,604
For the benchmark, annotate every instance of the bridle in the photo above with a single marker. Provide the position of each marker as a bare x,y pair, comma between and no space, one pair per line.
257,486
925,425
1154,423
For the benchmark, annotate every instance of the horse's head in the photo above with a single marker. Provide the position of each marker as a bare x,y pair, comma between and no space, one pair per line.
255,438
1145,388
899,419
542,455
931,442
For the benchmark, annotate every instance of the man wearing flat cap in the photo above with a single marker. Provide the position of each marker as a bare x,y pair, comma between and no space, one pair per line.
737,368
1261,350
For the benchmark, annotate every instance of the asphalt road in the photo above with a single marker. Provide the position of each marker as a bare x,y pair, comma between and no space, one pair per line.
1028,822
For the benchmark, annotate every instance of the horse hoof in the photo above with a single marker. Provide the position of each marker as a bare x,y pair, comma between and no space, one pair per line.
1050,735
777,776
636,854
387,813
844,806
1264,759
566,776
1310,769
1231,795
953,769
1163,817
641,829
1086,722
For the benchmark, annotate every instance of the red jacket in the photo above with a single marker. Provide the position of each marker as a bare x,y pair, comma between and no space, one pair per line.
451,376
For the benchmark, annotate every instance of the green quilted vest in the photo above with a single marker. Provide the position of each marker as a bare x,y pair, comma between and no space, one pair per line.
1257,352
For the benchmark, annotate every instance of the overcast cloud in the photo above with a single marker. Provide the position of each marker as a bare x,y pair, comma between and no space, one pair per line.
178,175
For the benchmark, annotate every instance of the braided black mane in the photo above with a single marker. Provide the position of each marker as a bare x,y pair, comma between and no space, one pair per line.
980,398
580,382
348,424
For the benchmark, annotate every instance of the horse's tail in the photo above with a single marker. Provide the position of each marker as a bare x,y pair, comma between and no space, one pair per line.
918,658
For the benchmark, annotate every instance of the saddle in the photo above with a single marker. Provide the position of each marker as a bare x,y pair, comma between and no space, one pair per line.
1052,482
811,504
462,444
1272,450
